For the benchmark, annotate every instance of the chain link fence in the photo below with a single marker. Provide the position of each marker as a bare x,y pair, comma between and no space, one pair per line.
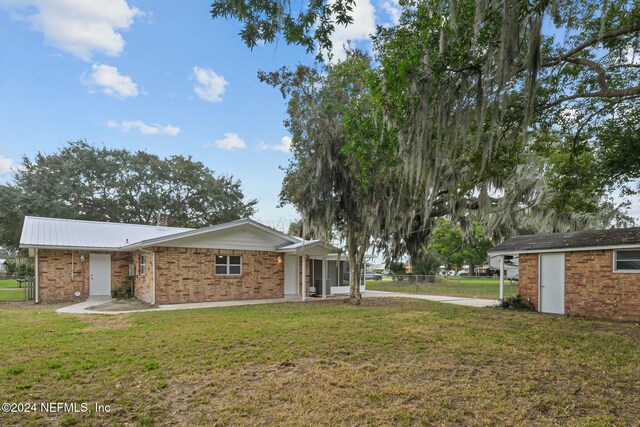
17,288
466,286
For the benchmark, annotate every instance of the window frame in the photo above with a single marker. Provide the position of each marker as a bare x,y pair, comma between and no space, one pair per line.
143,264
228,265
624,270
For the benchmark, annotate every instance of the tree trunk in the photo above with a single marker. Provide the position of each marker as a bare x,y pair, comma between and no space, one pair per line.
354,271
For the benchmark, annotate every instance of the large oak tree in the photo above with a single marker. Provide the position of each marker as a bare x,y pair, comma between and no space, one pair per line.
82,181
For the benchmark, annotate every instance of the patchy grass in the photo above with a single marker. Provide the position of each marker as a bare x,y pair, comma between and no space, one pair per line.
463,287
390,362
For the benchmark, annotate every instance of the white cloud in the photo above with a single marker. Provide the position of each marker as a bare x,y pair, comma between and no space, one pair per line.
633,57
231,141
211,85
393,9
284,146
261,146
364,23
6,164
111,81
79,27
143,128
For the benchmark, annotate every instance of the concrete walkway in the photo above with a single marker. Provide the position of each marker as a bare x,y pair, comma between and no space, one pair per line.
471,302
81,308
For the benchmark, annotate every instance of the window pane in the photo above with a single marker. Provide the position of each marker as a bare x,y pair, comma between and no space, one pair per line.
628,255
221,260
628,265
235,260
234,269
221,269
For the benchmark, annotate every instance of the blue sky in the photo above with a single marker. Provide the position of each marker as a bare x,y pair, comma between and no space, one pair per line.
160,76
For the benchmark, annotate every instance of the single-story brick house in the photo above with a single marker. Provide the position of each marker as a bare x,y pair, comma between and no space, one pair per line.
233,261
589,273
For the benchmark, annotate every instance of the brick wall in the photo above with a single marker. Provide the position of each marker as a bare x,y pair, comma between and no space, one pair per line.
144,282
57,282
528,278
187,275
591,289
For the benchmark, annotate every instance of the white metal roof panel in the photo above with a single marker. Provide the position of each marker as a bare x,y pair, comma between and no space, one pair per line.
54,232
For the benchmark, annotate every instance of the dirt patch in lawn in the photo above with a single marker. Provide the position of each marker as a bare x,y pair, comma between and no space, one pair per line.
98,323
122,305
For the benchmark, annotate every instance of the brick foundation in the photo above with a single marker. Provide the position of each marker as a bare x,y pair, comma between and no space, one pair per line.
592,288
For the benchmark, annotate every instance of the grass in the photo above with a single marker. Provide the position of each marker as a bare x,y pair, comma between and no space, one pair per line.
8,283
7,293
464,287
391,362
12,295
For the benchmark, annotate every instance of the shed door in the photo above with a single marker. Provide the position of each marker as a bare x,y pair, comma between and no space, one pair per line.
552,283
290,275
100,274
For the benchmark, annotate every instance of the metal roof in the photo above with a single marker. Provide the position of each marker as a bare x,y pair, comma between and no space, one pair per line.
189,232
578,240
70,233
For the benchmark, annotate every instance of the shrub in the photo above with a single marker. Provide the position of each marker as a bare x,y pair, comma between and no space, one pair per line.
428,265
516,303
396,267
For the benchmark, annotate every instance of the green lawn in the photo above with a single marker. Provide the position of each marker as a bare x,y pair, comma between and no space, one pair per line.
7,293
391,362
12,295
465,287
8,283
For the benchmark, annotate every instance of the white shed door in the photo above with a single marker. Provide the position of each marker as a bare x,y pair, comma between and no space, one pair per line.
552,283
100,274
290,275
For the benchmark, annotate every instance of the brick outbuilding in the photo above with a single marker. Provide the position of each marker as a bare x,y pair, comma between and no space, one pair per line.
588,273
239,260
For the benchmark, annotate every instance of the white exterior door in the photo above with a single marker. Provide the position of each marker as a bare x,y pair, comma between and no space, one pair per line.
290,275
100,274
552,283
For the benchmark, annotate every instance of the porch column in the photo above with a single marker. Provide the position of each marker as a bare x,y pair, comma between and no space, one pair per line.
304,277
324,278
501,277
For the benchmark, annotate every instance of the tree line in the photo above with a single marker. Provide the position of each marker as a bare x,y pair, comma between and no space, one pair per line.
83,181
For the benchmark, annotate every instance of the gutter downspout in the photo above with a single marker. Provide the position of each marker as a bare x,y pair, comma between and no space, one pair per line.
153,274
36,274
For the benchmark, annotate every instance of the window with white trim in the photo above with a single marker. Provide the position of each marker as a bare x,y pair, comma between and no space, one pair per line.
627,261
143,265
228,265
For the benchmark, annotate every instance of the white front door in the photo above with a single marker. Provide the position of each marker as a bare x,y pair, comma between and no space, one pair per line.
100,274
552,283
290,275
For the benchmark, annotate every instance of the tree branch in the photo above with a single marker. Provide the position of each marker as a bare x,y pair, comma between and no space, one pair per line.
549,62
610,93
602,75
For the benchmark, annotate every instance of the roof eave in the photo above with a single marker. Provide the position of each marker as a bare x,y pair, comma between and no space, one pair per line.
196,232
74,248
567,249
